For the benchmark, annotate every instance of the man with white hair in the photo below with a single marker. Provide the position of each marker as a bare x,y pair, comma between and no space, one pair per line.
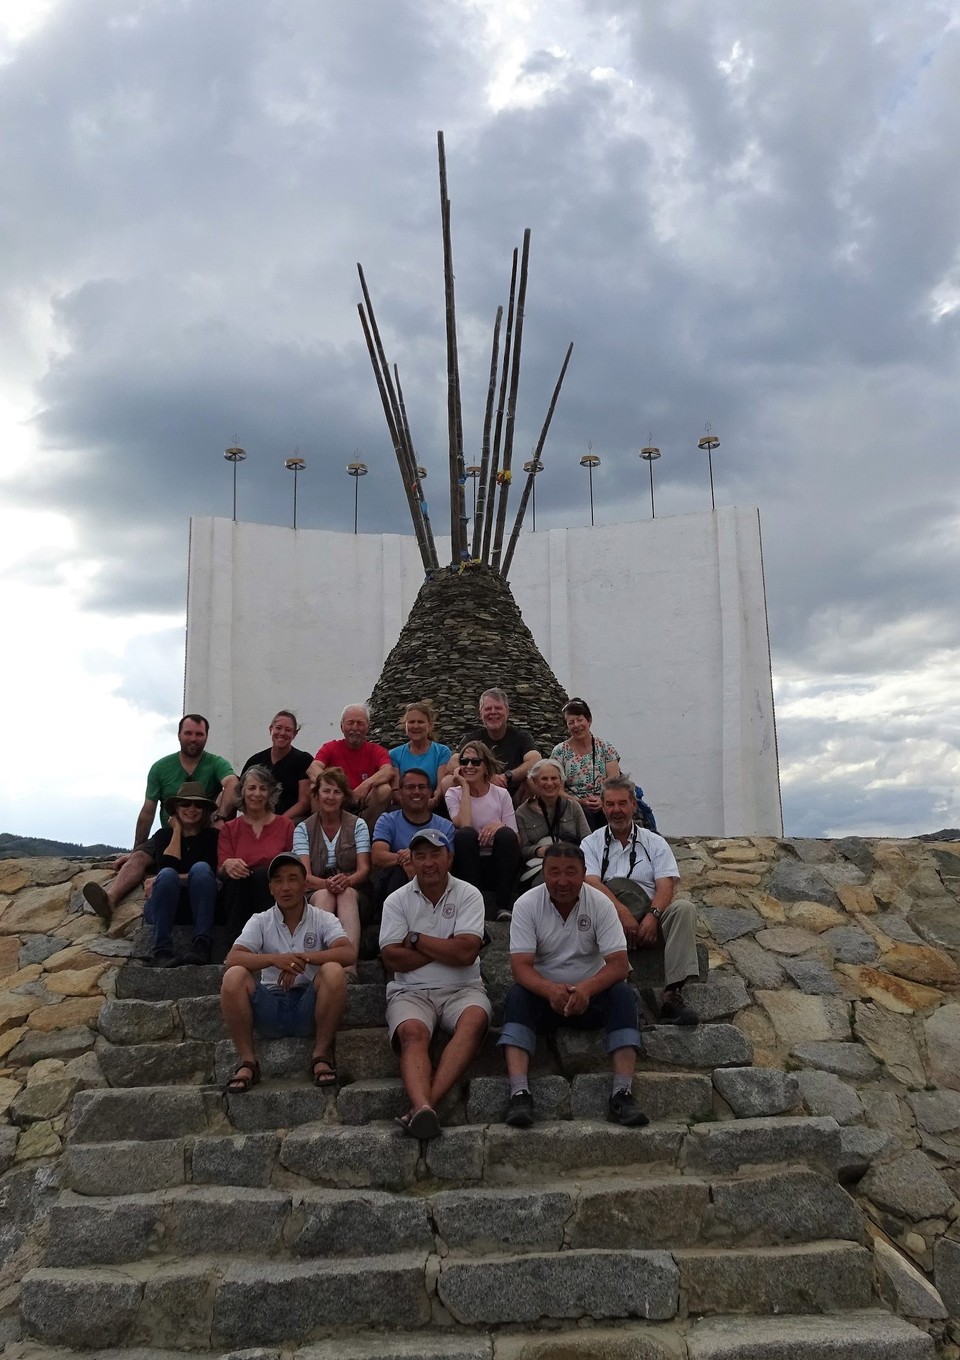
366,765
513,746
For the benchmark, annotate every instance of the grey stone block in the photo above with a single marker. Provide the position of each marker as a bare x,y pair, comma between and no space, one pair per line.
646,966
228,1219
8,1146
762,1142
177,1309
155,1064
570,1284
896,927
811,976
43,1100
128,1168
938,923
857,851
785,1206
792,882
355,1156
489,1096
730,923
619,1341
909,1187
145,1114
859,1149
289,1057
59,1043
201,1018
845,1060
754,1092
365,1054
850,944
722,995
707,1046
244,1159
820,1276
580,1050
946,1265
857,1335
415,1346
663,1096
643,1213
370,1223
37,948
502,1219
756,964
167,984
362,1102
936,1111
278,1107
137,1022
825,1093
366,1005
79,1308
515,1154
458,1155
260,1303
903,1287
101,1232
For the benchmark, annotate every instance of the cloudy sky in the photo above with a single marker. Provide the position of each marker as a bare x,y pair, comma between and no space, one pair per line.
743,212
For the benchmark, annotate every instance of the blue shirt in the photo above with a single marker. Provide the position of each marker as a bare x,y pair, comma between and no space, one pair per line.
403,759
394,828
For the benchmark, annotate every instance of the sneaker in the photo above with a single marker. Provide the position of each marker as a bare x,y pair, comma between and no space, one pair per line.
198,954
675,1011
520,1110
623,1109
95,895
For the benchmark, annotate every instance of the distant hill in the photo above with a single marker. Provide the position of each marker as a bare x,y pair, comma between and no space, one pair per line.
34,847
950,833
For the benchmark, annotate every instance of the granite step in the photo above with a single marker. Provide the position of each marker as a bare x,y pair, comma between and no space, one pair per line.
655,1211
149,1114
137,982
869,1334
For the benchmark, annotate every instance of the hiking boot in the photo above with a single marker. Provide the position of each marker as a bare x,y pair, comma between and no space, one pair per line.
675,1011
198,954
95,895
623,1109
160,958
520,1110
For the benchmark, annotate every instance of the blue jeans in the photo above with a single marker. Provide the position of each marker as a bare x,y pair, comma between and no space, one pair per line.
525,1015
281,1015
161,910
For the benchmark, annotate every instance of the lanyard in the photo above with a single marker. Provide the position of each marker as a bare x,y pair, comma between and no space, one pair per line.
553,825
633,853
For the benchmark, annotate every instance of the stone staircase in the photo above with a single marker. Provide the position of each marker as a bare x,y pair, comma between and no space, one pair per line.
298,1220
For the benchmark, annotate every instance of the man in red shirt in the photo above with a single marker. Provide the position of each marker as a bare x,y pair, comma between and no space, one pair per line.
368,768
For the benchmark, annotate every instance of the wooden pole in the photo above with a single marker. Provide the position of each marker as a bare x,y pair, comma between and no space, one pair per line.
501,402
511,405
521,510
458,518
481,501
412,463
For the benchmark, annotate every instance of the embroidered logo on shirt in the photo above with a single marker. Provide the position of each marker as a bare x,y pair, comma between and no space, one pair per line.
449,910
583,922
309,941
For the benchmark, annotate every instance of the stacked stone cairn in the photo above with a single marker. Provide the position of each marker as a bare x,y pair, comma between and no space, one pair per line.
796,1195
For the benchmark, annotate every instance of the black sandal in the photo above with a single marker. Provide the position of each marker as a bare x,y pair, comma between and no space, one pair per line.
328,1078
237,1085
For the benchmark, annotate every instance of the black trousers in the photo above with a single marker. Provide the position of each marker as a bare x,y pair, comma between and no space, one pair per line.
495,873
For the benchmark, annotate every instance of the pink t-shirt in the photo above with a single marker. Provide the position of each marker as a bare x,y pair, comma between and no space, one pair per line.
237,841
496,805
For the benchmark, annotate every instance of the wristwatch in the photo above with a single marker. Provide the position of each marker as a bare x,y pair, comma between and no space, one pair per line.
413,939
656,913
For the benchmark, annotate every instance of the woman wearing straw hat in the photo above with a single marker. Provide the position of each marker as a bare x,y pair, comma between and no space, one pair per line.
186,851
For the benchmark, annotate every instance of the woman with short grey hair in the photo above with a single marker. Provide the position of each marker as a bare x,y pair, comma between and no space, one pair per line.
546,818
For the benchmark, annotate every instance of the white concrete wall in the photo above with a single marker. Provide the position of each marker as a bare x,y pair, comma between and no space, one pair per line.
661,626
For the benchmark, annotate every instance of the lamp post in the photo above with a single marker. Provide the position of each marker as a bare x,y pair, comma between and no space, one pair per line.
356,471
590,461
533,465
296,466
473,472
709,442
650,452
234,455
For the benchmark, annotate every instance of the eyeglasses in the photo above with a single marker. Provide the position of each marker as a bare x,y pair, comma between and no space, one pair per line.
470,760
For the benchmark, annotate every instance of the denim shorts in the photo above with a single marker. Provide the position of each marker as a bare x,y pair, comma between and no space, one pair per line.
278,1014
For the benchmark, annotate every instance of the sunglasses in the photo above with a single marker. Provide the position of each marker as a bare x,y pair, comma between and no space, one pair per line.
190,802
470,760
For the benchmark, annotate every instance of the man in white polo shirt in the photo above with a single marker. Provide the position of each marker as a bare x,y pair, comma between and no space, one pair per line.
568,954
430,938
300,953
637,871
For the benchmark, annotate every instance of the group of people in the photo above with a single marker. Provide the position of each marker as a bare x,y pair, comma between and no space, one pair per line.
430,843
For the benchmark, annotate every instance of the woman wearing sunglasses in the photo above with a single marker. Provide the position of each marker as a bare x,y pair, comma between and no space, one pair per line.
486,845
186,851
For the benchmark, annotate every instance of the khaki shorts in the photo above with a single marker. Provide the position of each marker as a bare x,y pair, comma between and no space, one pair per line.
433,1005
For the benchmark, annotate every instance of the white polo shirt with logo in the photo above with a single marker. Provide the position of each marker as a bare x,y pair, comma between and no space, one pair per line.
570,950
458,912
266,933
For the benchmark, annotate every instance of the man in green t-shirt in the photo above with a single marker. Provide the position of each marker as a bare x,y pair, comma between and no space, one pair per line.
193,763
